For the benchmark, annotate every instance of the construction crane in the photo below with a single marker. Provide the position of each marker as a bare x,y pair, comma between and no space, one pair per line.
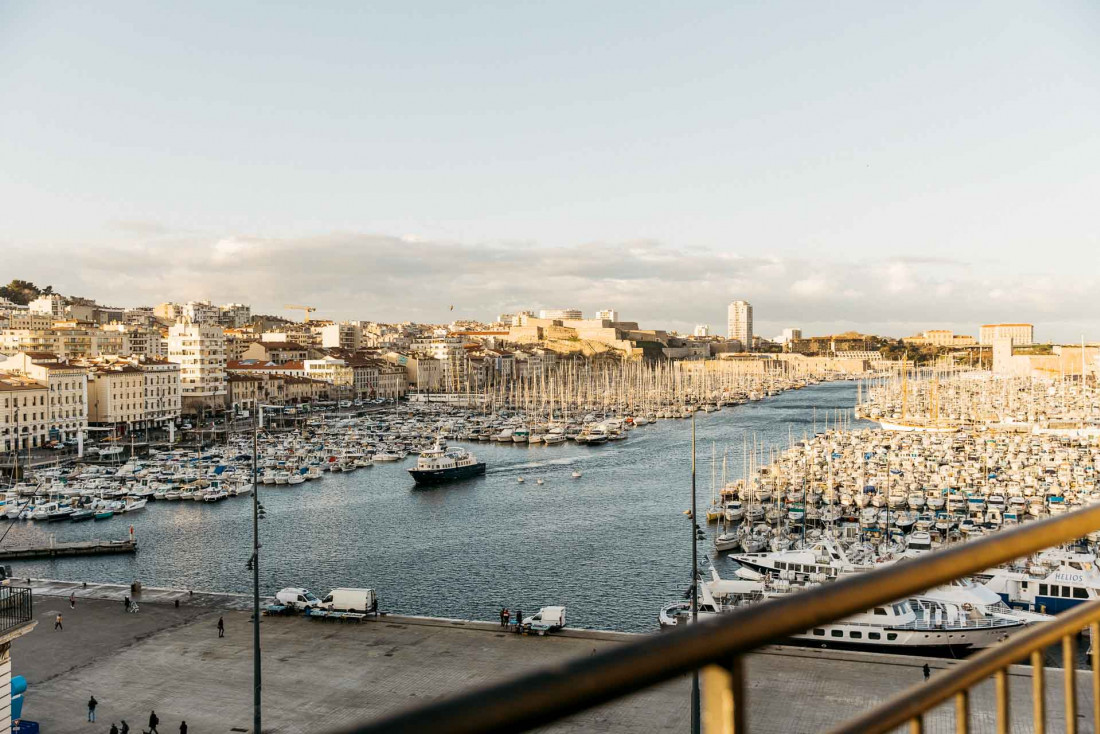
307,309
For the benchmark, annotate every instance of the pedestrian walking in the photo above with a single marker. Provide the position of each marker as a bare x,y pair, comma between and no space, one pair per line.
91,708
221,627
183,727
72,600
927,671
125,728
153,721
57,623
519,620
114,729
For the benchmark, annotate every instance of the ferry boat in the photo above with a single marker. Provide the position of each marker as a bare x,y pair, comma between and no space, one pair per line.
440,464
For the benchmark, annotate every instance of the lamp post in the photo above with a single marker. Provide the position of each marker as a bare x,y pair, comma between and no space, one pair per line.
694,583
256,680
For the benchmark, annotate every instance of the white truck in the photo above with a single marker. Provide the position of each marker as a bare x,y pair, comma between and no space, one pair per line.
296,598
351,600
547,619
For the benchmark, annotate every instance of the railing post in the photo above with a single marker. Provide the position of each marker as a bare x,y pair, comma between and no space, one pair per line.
723,699
916,725
1094,640
962,712
1038,693
1000,679
1068,648
737,688
716,710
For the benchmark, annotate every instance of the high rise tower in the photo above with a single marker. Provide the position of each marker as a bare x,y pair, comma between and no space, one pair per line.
740,323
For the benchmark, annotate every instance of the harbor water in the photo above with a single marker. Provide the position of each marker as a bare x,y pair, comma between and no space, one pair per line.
612,546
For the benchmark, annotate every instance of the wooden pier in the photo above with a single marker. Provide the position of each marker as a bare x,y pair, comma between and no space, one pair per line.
62,550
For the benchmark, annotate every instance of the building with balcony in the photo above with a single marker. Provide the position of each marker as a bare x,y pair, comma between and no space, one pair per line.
24,413
67,385
199,350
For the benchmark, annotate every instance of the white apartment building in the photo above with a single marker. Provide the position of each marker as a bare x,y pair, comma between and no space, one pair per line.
701,330
739,324
200,312
790,335
1020,334
24,414
199,350
146,341
341,336
608,314
331,370
67,387
51,305
234,315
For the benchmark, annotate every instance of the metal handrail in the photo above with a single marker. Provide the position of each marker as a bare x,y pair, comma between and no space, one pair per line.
909,705
544,696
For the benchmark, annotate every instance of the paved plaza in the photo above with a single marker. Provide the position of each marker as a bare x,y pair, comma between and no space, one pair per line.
323,676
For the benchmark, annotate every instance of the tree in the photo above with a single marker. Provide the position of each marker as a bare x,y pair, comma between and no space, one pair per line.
23,291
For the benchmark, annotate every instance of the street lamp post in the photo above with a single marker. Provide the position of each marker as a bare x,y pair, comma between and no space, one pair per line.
256,679
694,583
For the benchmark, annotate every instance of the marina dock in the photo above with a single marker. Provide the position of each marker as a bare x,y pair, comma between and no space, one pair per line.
318,677
62,550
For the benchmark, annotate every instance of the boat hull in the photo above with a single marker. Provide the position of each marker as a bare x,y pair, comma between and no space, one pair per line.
451,474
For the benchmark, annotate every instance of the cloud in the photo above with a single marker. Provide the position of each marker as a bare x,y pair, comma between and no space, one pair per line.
368,276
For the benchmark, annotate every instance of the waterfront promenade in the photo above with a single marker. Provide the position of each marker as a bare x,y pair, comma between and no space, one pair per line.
319,676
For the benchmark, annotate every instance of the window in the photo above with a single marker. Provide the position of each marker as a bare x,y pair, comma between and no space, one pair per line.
874,636
856,635
837,633
819,632
881,612
1043,589
1079,593
891,636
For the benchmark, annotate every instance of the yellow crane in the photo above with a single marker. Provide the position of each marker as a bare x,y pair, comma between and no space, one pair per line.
307,309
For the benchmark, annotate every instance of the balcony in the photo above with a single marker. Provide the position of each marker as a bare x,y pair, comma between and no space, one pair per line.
716,649
16,609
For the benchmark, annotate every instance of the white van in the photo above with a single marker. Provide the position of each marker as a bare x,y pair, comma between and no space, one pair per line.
547,619
351,600
296,598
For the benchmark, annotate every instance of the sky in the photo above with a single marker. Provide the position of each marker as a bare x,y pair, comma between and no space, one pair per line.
885,167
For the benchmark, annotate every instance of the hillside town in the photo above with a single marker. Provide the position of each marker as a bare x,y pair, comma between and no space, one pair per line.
106,371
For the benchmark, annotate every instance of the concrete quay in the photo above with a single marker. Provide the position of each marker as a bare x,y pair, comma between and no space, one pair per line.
322,676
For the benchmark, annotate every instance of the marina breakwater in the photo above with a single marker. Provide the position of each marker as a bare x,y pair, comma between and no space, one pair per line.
613,546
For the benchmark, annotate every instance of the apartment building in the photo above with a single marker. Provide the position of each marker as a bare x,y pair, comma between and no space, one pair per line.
116,395
199,349
146,341
234,315
163,390
67,387
24,413
341,336
739,322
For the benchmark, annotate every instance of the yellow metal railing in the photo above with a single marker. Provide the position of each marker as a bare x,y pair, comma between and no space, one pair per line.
910,706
